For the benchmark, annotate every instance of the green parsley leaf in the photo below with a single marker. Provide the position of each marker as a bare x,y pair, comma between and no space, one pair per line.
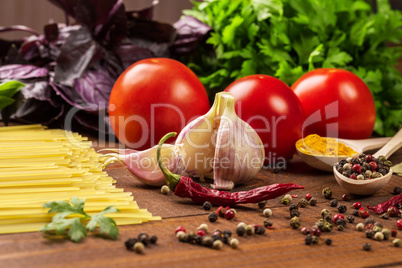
106,225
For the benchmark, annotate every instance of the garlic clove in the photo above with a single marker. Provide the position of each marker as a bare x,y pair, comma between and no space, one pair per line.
144,165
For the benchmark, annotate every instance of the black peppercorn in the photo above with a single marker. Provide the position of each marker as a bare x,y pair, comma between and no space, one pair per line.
207,205
368,221
227,233
370,233
259,230
350,218
143,238
355,212
309,239
341,221
130,243
367,246
333,203
262,204
313,201
397,190
268,223
328,241
340,227
383,171
355,160
240,230
342,162
213,217
327,193
385,216
153,239
342,208
294,213
207,241
293,207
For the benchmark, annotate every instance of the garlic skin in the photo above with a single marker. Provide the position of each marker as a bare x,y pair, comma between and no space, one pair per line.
218,145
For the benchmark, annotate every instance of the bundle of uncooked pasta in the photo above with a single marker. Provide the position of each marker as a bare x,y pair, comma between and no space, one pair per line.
38,165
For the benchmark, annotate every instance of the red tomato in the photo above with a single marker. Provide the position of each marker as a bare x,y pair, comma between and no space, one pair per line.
153,97
337,103
273,110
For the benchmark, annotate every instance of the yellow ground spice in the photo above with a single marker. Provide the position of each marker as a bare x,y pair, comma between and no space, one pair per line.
315,145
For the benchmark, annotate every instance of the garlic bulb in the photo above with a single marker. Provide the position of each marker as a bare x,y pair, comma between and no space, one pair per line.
218,145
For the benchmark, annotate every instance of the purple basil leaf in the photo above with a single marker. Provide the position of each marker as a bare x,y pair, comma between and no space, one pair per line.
106,19
151,30
144,14
21,28
76,54
51,32
130,53
190,31
21,72
39,90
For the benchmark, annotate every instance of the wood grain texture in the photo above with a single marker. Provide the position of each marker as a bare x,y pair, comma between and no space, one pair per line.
280,246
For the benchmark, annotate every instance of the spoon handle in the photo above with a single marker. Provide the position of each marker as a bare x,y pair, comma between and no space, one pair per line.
367,144
394,144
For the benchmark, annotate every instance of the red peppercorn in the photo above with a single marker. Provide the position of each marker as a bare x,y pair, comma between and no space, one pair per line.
229,214
393,233
399,224
308,197
179,228
373,165
392,211
337,216
369,158
345,197
305,230
221,211
357,205
363,213
200,232
353,177
357,168
315,231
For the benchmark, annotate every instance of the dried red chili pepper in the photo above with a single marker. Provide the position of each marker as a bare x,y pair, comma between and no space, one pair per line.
183,186
383,207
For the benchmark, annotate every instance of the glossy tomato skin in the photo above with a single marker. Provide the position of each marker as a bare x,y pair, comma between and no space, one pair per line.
153,97
273,110
345,104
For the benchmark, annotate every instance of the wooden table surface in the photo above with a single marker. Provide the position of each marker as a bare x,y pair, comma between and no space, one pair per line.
278,247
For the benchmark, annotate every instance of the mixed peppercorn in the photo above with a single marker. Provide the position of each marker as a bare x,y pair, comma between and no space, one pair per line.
364,167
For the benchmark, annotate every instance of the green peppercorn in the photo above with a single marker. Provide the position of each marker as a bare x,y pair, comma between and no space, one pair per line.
360,227
262,204
324,225
165,189
377,229
285,201
303,203
376,175
268,223
217,244
313,201
250,230
138,247
386,232
381,159
207,241
233,243
213,217
327,193
396,242
314,239
388,163
328,241
367,246
378,236
326,214
295,222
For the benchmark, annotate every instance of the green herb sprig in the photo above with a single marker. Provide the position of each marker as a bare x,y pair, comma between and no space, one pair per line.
7,97
287,38
77,230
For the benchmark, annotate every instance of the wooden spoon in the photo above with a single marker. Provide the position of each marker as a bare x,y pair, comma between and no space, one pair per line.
367,187
326,163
